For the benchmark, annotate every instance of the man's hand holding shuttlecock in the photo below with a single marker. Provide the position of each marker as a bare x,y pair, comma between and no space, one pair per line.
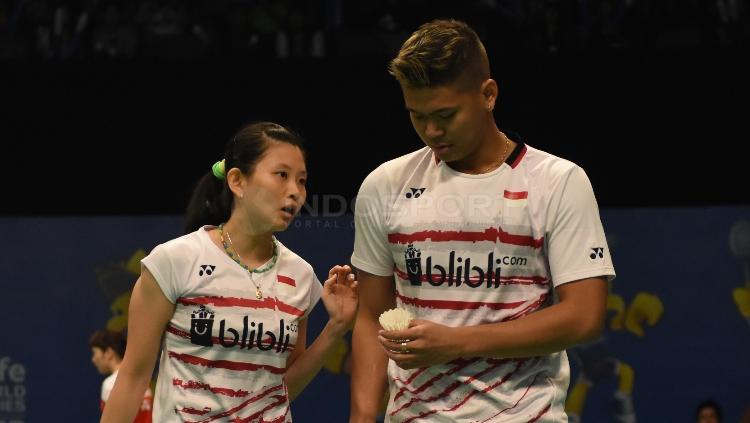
414,343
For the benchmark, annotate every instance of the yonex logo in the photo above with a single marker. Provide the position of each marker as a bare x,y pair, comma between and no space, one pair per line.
208,269
596,252
415,192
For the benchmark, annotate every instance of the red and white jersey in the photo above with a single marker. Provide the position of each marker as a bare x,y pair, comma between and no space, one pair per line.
475,249
225,352
144,412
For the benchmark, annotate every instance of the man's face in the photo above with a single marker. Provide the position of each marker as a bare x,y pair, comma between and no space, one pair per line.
99,360
447,118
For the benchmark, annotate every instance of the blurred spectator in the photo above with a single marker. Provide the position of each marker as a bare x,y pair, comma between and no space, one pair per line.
192,29
708,411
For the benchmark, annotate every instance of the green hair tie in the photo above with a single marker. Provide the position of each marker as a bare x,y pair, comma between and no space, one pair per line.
218,170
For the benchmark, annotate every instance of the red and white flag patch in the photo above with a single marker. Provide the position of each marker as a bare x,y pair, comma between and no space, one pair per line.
515,198
287,280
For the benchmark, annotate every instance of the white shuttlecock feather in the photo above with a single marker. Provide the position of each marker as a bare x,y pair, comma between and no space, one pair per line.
395,319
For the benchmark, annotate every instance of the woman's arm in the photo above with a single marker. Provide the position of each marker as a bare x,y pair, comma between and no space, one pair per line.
341,301
148,315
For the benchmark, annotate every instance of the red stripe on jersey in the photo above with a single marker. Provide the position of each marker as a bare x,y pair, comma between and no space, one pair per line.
541,413
515,195
286,279
270,303
457,305
457,383
194,384
529,308
489,234
412,376
191,410
504,280
518,159
215,340
279,399
447,391
286,308
225,364
464,363
182,334
245,404
518,402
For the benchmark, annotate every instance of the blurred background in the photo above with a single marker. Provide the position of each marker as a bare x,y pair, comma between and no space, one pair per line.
112,110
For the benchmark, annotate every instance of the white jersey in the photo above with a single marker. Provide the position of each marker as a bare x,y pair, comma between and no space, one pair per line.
144,412
475,249
224,352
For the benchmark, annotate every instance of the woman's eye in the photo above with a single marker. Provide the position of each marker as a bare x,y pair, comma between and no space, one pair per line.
283,174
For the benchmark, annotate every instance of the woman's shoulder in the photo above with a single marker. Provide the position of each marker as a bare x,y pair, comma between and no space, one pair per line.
188,245
292,264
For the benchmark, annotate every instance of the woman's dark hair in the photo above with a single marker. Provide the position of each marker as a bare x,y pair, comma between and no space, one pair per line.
211,201
105,338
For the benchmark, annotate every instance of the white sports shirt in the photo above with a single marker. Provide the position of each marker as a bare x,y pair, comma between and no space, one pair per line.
224,352
474,249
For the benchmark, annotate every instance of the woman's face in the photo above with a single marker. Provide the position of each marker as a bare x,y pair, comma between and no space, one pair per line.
275,191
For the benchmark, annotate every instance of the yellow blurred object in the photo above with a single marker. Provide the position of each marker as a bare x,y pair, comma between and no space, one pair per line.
577,398
119,307
616,303
742,299
134,262
626,378
645,307
334,363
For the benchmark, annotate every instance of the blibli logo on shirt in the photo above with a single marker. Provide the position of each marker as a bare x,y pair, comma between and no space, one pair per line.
252,334
458,271
201,323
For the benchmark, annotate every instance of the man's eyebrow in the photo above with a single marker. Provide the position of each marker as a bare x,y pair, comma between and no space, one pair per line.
441,110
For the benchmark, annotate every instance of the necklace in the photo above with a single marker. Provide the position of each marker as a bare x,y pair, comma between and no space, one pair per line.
232,253
502,156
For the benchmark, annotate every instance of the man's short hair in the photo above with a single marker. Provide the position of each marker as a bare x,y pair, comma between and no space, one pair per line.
105,338
441,52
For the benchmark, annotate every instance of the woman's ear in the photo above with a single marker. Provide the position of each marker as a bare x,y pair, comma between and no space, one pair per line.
236,182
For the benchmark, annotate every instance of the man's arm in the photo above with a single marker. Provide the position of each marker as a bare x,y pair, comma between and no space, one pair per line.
577,317
369,362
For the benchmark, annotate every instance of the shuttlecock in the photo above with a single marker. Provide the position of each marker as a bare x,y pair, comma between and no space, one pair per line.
395,319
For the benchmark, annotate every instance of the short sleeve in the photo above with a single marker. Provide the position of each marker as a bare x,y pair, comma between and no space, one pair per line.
576,243
371,252
159,264
316,291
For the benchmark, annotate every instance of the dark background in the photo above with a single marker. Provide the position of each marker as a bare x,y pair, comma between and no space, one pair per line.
654,109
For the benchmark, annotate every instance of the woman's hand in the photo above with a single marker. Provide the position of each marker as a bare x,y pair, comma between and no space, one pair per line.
341,299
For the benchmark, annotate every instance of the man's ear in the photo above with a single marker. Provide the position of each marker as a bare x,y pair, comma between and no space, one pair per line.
490,92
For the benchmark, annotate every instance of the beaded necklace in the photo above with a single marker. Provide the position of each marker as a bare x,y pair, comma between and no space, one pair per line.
232,253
